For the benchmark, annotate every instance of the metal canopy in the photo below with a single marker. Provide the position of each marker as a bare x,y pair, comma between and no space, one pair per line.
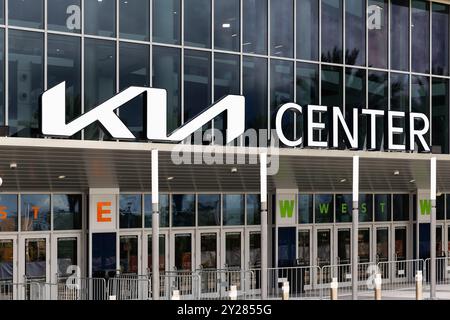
127,165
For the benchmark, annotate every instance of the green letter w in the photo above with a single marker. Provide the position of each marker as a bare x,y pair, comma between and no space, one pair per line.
425,207
286,208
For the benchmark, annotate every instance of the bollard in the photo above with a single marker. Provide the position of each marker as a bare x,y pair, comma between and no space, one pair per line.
233,293
378,282
334,289
285,290
419,293
176,295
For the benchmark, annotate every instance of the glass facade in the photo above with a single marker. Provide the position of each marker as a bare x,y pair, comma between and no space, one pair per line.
201,50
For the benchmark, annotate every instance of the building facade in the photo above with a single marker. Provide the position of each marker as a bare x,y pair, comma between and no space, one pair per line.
387,55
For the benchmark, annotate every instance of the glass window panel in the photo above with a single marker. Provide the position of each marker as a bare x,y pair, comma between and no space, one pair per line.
400,204
134,71
420,102
420,36
227,25
67,211
344,208
364,245
208,210
104,254
7,265
208,256
8,212
282,28
440,207
26,82
100,18
255,250
253,209
382,207
134,19
162,252
255,92
35,212
2,11
378,34
129,254
440,121
64,64
254,26
197,82
167,21
355,98
305,208
197,23
307,29
99,79
167,75
64,15
400,35
365,208
332,94
26,13
304,248
332,37
183,252
307,87
163,210
35,259
2,77
400,102
324,208
378,99
233,250
66,255
355,32
130,211
183,210
233,209
286,247
282,91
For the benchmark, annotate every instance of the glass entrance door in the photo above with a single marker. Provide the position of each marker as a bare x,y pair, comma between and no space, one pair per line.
36,259
7,269
207,248
323,258
67,254
129,253
343,247
182,248
382,250
401,267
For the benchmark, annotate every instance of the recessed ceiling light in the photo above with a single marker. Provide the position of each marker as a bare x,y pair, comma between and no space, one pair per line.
396,173
234,170
61,177
412,181
13,165
170,178
343,180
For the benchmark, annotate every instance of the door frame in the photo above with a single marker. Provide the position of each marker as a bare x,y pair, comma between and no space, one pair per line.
14,238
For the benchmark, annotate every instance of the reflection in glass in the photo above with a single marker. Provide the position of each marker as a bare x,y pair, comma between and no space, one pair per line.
305,208
197,23
2,11
35,212
253,209
64,64
134,70
233,252
26,13
307,29
166,21
344,208
183,252
382,207
332,95
208,210
254,27
67,211
100,18
183,210
167,75
440,207
8,212
36,259
420,36
162,252
64,15
400,35
324,208
130,211
440,38
332,31
323,247
6,260
134,19
378,99
103,254
282,28
343,248
400,102
382,244
304,248
255,250
420,102
67,254
233,209
400,244
197,82
440,109
364,245
99,79
355,98
365,208
286,247
378,36
163,210
208,250
355,32
129,254
227,25
26,82
255,92
400,205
